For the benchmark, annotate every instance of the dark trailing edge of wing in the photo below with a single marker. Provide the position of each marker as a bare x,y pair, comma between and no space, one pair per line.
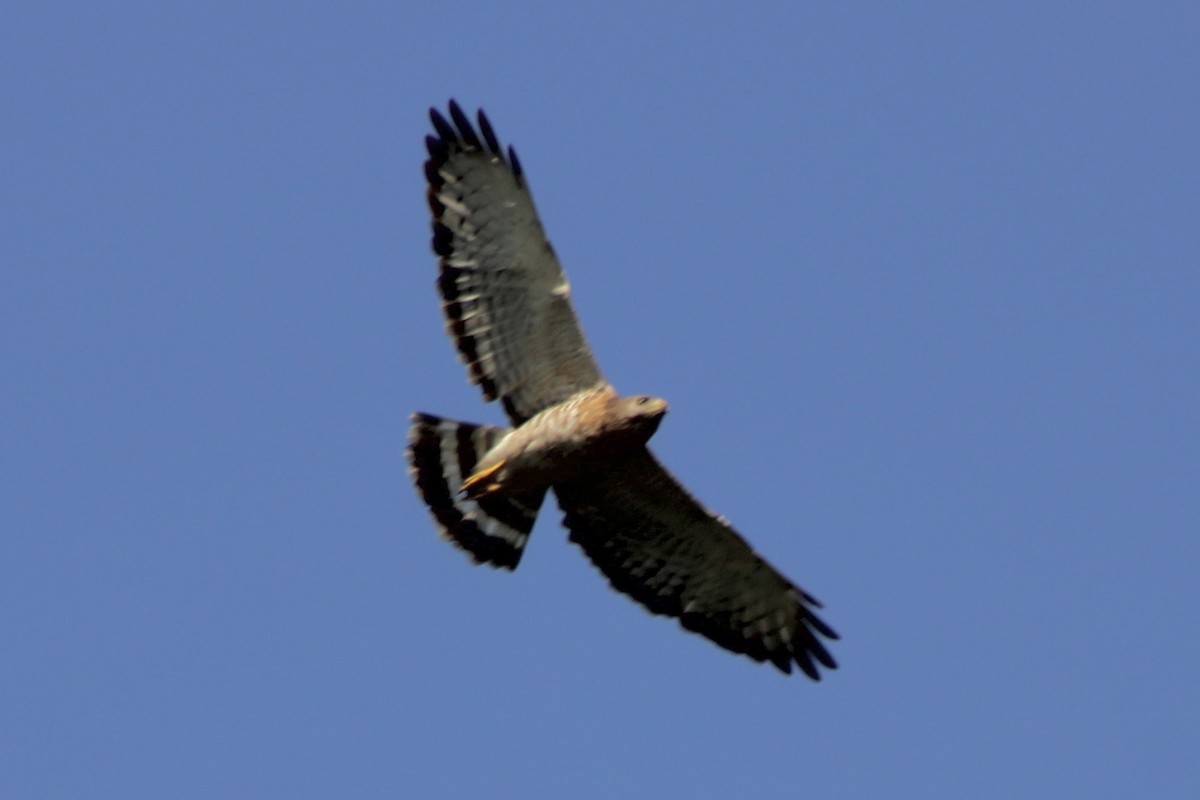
457,135
803,650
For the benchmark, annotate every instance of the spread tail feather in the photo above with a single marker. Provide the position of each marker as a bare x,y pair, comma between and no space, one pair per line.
441,454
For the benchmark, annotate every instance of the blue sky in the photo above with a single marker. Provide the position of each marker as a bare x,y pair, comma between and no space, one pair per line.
920,281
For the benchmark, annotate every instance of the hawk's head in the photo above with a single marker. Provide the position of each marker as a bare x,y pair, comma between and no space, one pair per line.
640,414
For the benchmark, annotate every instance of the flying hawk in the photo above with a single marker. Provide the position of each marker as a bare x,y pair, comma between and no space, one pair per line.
507,305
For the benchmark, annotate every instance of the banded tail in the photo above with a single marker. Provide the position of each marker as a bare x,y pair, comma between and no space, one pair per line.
442,453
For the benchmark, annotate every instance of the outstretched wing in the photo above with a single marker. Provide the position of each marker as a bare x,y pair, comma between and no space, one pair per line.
656,543
505,296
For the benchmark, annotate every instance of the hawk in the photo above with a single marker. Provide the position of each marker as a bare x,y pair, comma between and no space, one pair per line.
508,309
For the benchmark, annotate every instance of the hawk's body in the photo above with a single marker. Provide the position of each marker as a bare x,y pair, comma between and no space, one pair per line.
507,305
568,442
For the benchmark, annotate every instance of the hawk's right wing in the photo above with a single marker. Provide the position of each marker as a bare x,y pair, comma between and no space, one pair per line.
657,544
505,296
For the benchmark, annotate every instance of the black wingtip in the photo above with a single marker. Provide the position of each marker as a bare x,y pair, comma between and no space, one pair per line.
823,629
436,147
489,134
444,129
466,130
807,667
455,132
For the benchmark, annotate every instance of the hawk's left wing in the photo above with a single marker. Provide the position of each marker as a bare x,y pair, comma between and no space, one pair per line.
505,296
656,543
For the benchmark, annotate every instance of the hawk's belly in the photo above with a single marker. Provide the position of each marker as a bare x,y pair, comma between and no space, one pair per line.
589,432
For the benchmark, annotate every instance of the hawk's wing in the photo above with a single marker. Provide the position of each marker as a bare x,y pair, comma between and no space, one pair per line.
656,543
506,298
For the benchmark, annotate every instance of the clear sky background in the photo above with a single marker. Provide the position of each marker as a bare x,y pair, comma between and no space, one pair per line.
921,282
